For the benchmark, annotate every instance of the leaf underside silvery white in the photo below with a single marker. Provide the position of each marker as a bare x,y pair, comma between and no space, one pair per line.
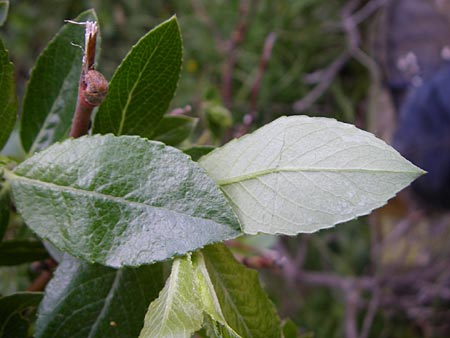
301,174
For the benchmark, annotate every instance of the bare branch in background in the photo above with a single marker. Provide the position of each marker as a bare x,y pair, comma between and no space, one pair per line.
327,77
236,39
350,21
202,15
253,109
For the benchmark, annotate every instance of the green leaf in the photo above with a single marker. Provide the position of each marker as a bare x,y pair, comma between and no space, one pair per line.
290,330
5,202
302,174
143,85
172,130
8,98
51,95
84,300
178,311
233,297
4,8
15,314
120,200
18,252
198,151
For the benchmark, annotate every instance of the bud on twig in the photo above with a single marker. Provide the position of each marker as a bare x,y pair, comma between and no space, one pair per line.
93,86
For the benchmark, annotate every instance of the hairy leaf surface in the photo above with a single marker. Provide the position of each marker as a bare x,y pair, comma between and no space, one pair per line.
120,200
302,174
143,85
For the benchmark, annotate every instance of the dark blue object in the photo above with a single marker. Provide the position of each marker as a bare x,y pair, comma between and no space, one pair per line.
423,137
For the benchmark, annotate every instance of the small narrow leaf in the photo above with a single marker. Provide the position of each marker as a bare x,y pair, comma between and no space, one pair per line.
50,99
120,200
14,321
18,252
302,174
84,300
4,8
233,297
143,85
172,130
178,311
8,99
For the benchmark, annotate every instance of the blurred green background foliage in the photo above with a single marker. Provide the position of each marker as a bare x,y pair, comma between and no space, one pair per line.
224,42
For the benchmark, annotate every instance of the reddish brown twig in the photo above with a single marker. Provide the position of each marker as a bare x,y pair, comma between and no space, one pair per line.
236,39
253,110
327,77
92,88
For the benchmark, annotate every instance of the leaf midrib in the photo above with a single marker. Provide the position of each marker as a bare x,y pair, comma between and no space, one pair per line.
44,127
258,173
108,299
12,176
130,94
213,294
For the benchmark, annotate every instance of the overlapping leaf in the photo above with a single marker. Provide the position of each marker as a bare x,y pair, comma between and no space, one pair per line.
172,130
120,200
18,252
178,311
302,174
8,99
4,8
50,99
14,321
84,300
233,297
143,85
198,151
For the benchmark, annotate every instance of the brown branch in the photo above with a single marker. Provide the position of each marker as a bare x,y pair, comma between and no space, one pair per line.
45,274
370,314
327,77
369,8
349,22
237,37
351,312
202,15
265,57
92,86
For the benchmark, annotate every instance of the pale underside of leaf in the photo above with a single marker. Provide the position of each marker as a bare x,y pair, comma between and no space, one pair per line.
302,174
178,311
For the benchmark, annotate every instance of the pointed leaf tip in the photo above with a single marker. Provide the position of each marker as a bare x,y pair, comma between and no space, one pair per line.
302,174
144,84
